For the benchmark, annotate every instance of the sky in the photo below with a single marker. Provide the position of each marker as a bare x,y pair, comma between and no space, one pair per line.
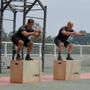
59,12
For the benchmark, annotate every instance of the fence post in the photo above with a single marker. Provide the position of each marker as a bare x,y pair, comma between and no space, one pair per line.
81,50
55,51
5,48
40,48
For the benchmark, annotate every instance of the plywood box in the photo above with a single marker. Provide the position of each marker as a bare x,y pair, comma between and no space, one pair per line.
75,70
25,71
66,70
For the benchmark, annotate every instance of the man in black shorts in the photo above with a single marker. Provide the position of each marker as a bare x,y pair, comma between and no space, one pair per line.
22,38
61,40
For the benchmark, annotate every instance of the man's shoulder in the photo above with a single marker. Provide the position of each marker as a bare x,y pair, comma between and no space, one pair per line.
63,28
22,27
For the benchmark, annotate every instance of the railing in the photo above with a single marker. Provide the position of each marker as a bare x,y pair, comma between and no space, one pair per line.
7,48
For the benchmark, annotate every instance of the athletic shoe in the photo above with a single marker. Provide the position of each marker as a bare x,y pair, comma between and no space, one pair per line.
59,58
18,57
69,58
28,58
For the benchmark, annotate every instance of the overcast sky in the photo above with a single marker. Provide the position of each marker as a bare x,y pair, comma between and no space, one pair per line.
59,12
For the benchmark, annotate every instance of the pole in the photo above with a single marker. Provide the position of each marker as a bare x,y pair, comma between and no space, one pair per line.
1,27
14,29
24,20
44,34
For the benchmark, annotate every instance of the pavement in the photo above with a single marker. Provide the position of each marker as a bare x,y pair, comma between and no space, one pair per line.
47,82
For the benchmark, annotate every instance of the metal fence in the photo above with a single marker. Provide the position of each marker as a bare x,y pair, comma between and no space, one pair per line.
49,49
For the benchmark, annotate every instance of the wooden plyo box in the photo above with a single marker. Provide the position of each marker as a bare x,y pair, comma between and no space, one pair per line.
25,71
66,70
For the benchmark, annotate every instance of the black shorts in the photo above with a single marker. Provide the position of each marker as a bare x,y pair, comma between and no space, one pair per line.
57,42
16,39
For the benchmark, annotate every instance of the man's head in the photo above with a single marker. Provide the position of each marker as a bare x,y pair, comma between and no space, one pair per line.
69,25
30,22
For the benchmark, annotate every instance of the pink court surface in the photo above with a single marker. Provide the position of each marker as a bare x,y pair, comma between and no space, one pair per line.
44,78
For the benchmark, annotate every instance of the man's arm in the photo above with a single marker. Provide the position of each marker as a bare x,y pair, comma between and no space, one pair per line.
73,33
28,33
34,33
67,33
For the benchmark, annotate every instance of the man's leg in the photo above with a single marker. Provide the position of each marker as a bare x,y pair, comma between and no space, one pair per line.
29,50
19,48
61,47
69,50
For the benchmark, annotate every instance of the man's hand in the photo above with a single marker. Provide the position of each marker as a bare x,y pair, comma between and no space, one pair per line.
74,33
80,33
37,33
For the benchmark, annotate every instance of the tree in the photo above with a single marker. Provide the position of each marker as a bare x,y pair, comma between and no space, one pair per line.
4,35
9,36
49,39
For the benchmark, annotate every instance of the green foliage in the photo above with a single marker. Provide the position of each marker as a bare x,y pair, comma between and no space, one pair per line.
4,35
83,40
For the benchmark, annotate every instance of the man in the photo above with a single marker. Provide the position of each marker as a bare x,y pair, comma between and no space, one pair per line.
22,38
61,40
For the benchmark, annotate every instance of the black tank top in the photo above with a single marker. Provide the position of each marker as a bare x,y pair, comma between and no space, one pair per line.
61,36
19,32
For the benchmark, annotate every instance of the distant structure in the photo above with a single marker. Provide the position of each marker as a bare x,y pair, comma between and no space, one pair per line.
25,8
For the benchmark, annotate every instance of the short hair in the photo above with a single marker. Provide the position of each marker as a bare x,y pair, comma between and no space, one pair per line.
70,23
30,21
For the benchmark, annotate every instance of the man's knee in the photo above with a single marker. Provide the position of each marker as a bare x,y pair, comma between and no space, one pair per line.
20,43
61,45
70,46
30,44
